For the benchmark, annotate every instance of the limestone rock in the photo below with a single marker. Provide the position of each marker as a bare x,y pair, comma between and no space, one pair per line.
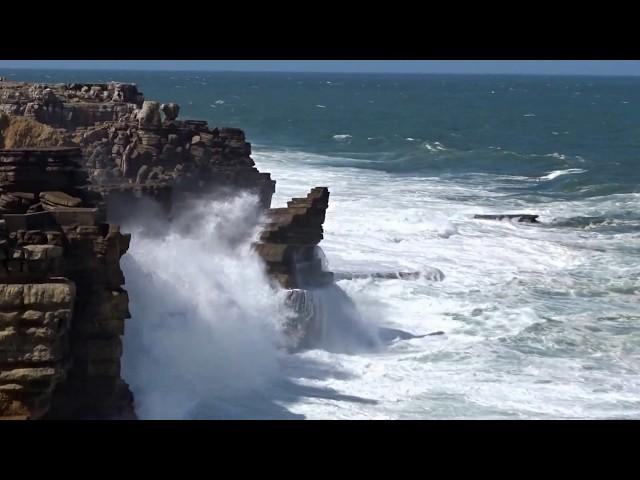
149,115
170,110
59,199
60,292
289,239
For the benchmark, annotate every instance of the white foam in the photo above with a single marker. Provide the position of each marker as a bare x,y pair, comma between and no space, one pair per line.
342,137
558,173
434,146
205,322
515,301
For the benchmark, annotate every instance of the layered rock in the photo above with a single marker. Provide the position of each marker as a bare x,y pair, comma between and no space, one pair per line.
60,355
131,151
168,160
70,105
62,306
34,343
288,242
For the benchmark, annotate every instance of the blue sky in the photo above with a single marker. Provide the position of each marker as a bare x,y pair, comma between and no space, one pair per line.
545,67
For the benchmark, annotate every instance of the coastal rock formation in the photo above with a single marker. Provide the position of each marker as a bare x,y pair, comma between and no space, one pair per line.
62,306
288,242
169,162
70,105
129,151
170,110
62,302
518,217
289,247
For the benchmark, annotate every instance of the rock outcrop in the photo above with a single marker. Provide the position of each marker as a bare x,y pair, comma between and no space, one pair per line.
130,151
288,243
62,306
62,302
70,105
168,160
289,247
517,217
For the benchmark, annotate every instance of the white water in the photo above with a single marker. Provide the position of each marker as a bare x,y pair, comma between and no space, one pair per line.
205,320
558,173
206,337
539,322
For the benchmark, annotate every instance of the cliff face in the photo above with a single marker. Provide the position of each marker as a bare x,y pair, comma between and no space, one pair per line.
289,247
62,306
133,149
289,239
62,302
169,160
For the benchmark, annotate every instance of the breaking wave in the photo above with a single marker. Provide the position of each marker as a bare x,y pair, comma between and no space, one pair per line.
205,320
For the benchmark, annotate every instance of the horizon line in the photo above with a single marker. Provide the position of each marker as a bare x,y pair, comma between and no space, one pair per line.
162,70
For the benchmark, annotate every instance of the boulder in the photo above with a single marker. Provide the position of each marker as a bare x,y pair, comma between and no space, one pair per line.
170,110
149,115
59,200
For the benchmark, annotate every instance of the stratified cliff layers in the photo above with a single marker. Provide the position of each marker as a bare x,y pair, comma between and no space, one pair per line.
71,157
134,148
61,298
289,239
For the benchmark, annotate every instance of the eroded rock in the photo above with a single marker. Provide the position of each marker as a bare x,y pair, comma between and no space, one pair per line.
61,296
289,239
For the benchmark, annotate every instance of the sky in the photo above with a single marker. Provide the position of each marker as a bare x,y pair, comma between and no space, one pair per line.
542,67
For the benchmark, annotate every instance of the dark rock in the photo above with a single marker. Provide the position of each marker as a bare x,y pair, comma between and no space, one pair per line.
519,217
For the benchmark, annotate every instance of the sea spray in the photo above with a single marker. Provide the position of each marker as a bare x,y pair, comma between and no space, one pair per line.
205,317
209,328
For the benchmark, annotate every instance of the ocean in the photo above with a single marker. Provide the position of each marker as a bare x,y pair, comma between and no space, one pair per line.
537,320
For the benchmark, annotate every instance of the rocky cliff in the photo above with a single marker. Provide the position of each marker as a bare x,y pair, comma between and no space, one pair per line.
133,149
62,306
69,106
289,247
62,301
288,243
169,159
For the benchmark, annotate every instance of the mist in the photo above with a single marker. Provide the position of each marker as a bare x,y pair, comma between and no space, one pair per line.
205,319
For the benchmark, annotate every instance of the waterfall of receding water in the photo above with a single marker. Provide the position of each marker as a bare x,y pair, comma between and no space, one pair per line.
324,316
